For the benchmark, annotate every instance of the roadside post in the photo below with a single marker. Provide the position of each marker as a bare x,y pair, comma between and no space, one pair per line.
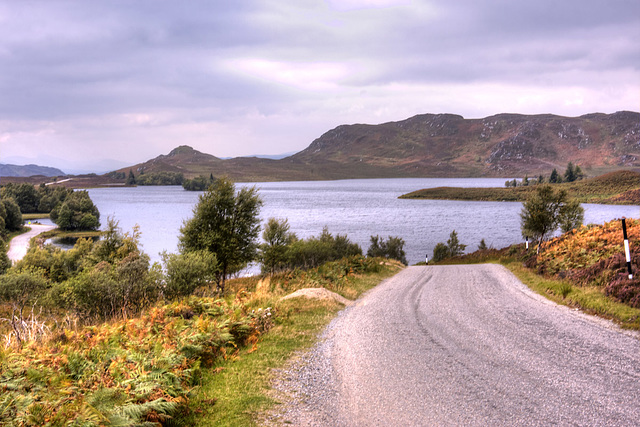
627,252
426,259
526,242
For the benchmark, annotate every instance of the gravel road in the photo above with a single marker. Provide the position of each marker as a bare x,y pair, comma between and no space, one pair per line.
463,345
20,244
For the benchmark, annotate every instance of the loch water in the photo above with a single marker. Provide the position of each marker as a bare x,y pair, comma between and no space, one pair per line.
357,208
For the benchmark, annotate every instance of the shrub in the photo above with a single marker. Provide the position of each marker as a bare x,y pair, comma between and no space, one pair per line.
187,272
315,251
392,248
440,252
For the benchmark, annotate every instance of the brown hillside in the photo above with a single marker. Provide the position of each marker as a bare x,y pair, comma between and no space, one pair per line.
436,145
501,145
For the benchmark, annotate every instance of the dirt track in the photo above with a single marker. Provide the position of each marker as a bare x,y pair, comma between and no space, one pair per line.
20,244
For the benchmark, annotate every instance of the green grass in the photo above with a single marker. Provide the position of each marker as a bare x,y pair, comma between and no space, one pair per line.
589,299
32,216
236,392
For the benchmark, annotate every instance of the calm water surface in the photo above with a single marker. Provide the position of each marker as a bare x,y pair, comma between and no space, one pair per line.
358,208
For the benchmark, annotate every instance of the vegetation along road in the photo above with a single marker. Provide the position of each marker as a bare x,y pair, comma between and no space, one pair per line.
465,345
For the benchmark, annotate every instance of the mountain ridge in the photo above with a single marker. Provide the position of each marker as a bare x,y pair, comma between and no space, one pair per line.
436,145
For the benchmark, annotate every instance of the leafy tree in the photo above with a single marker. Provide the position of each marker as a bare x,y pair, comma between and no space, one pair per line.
277,240
571,216
226,223
546,210
25,195
578,172
525,181
50,197
131,179
540,179
482,246
12,215
393,248
77,212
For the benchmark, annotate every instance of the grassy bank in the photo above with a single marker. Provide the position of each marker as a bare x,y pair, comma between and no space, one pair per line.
585,269
622,187
198,361
237,390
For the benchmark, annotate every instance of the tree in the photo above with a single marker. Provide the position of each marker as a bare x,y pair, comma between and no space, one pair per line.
393,248
278,238
440,252
25,195
546,210
225,223
453,244
12,215
451,249
131,179
482,246
77,212
570,173
554,178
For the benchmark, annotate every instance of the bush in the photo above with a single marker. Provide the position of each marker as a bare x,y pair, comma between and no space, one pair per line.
440,252
451,249
187,272
392,248
315,251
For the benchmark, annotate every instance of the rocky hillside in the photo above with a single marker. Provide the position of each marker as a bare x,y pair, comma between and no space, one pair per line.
501,145
436,145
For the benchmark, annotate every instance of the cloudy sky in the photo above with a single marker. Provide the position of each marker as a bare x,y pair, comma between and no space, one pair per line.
82,80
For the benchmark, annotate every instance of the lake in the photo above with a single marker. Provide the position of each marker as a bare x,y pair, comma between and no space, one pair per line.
358,208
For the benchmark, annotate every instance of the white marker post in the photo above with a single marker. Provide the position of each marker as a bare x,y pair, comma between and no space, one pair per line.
627,252
526,242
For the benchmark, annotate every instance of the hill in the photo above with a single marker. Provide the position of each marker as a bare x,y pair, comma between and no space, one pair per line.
436,145
29,170
447,145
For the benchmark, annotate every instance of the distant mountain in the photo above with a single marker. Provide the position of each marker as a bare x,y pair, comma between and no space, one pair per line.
29,170
436,145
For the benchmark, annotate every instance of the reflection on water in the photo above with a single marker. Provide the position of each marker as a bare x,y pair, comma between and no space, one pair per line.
358,208
67,242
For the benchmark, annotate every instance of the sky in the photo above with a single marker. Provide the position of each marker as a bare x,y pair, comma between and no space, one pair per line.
94,85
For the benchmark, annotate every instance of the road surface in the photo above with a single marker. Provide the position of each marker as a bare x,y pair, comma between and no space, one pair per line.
20,244
464,345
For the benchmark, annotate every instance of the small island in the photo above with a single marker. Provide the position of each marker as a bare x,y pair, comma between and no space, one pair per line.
615,188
